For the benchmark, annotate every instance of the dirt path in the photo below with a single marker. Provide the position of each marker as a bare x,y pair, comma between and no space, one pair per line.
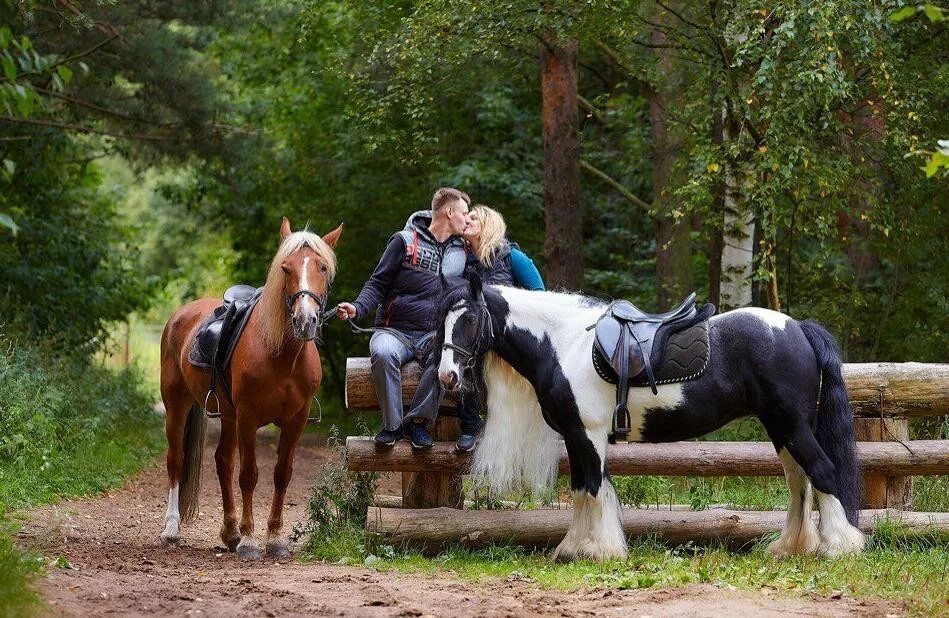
117,567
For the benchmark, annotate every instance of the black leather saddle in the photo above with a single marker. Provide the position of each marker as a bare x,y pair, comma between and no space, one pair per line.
629,345
217,337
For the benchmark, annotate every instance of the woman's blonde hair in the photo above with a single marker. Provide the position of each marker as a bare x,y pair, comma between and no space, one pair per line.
493,230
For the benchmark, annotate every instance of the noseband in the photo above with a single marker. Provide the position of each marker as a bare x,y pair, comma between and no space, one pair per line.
319,299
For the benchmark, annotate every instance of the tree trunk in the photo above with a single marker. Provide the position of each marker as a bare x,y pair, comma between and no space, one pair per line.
673,237
738,233
564,220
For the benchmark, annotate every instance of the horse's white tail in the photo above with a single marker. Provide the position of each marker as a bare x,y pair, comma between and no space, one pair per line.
518,451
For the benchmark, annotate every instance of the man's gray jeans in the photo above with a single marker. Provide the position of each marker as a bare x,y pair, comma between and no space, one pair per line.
387,355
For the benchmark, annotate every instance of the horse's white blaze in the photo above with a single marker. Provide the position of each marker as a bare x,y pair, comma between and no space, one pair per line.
305,304
837,536
172,517
448,362
799,535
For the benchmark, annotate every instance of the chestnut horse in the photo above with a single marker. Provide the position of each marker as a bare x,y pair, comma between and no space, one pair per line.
274,372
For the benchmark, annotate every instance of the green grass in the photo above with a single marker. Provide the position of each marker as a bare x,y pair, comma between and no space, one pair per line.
894,567
68,428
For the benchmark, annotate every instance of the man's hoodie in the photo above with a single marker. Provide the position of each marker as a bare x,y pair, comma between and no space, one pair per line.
406,287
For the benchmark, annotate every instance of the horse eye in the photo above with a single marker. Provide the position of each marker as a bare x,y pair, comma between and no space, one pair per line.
285,269
323,268
468,318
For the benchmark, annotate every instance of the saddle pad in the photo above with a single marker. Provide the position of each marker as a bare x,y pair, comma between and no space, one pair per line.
684,357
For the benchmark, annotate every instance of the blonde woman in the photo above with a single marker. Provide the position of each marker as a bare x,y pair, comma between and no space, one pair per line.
503,262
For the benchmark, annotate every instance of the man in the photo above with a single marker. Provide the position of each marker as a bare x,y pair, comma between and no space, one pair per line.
404,291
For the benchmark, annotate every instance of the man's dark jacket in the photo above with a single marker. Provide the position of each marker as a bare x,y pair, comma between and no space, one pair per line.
406,287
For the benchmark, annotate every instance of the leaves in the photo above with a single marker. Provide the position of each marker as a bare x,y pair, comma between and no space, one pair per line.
7,222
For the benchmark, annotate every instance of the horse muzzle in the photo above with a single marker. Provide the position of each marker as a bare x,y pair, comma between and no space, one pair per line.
306,327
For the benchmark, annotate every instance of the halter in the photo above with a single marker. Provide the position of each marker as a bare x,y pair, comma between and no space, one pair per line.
471,355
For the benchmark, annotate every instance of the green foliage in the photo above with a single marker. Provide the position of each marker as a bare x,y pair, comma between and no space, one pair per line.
336,513
68,427
17,571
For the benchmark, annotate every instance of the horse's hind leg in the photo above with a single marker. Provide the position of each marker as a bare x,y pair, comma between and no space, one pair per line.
799,535
289,436
177,407
836,535
224,458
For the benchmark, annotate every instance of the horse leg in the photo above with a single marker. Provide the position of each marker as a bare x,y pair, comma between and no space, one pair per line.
836,535
247,549
283,471
177,408
224,458
596,531
799,535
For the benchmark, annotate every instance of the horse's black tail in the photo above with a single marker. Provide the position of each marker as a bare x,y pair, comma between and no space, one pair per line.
834,425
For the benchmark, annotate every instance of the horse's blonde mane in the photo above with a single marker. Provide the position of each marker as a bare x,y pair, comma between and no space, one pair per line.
274,315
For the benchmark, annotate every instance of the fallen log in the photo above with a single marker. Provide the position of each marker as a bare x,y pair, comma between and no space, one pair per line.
911,458
875,389
432,528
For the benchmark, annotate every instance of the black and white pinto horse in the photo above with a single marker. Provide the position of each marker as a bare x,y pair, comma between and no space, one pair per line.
533,350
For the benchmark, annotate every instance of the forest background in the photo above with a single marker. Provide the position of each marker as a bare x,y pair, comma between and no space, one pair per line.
785,155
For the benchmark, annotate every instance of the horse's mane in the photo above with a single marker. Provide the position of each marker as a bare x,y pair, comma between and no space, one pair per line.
274,316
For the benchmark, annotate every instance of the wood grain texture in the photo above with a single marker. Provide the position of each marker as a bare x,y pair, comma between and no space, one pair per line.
545,527
918,457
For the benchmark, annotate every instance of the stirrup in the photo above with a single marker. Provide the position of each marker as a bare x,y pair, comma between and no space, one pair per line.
319,416
620,430
217,408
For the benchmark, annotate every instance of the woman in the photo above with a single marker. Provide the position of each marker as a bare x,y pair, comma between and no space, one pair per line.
502,263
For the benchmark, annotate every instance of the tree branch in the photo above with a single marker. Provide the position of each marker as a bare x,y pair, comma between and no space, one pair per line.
682,19
626,193
81,129
588,106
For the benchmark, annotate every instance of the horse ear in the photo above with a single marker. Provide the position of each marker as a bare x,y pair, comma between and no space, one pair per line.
475,284
333,236
285,229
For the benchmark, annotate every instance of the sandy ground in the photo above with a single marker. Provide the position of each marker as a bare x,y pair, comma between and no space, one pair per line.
116,566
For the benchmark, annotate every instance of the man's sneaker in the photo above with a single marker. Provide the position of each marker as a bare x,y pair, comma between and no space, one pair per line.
418,435
467,441
386,437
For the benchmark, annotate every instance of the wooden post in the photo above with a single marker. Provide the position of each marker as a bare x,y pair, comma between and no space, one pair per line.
426,490
879,490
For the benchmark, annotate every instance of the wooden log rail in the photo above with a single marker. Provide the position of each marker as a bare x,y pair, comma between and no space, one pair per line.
875,389
432,528
916,458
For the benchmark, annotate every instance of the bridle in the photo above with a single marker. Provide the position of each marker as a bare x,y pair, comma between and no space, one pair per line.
471,355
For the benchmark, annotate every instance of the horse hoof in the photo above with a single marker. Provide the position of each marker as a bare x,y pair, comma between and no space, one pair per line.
170,541
249,552
278,550
232,543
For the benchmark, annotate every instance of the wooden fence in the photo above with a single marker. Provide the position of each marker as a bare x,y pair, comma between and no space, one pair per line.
884,397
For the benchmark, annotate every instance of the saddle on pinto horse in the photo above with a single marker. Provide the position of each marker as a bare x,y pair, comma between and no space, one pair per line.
217,337
635,348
